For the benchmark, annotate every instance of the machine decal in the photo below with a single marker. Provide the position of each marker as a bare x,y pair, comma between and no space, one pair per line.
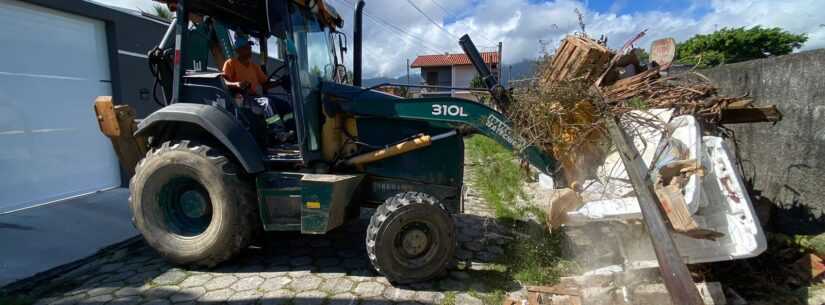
448,110
313,204
504,131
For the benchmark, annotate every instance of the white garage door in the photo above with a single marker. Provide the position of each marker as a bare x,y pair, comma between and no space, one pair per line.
52,66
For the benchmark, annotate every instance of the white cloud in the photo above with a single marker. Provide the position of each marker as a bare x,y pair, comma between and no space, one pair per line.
520,24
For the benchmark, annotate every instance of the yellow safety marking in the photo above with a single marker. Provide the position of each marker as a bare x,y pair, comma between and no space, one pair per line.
313,205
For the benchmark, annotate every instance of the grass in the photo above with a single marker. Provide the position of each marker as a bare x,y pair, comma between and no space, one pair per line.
637,103
494,297
449,298
535,256
499,179
812,243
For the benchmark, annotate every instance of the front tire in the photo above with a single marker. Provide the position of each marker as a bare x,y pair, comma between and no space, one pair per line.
411,238
190,204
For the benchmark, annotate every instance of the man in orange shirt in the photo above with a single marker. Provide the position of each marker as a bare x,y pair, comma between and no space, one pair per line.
241,73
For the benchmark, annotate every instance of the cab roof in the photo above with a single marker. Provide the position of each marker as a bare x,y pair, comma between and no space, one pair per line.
252,14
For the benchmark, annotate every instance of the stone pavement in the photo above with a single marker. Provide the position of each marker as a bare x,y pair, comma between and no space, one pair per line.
290,269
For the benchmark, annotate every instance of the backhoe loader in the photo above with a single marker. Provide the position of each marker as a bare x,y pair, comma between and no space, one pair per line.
215,172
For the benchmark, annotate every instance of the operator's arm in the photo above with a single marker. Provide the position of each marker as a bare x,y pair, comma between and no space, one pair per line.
231,78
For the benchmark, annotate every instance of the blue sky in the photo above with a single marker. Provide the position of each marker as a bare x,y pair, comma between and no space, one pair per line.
696,9
398,31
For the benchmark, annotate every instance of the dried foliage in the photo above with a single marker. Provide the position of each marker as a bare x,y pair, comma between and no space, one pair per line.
564,115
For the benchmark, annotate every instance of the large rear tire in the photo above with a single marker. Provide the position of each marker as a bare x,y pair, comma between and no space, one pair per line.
411,238
190,204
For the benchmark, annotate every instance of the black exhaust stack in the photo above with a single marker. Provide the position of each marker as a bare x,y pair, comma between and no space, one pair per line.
357,33
490,81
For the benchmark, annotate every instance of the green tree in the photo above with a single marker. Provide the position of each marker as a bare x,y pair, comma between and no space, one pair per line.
162,12
730,45
476,82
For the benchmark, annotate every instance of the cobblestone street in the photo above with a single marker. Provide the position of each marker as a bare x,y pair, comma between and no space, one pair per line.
291,269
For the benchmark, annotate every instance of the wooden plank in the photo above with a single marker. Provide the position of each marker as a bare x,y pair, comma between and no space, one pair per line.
533,298
673,270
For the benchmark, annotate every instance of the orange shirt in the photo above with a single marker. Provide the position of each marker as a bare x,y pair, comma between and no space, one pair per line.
235,71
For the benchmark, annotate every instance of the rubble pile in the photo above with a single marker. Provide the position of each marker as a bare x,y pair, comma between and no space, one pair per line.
585,82
675,121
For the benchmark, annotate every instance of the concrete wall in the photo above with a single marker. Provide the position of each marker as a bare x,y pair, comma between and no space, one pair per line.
786,161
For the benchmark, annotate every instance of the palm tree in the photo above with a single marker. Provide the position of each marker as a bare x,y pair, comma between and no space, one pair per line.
162,12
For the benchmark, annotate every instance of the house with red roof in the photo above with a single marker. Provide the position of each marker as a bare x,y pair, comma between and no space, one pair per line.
452,70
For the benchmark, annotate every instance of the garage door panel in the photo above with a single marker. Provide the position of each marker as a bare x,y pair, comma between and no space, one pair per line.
51,42
52,147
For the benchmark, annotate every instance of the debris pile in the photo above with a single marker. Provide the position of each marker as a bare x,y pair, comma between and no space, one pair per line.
585,82
675,121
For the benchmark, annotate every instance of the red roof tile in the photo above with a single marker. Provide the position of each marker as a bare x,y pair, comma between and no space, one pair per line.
451,60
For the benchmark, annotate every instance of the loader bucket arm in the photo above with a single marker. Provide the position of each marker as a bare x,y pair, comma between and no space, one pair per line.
456,113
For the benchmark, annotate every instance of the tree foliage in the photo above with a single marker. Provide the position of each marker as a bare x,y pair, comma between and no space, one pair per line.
162,12
730,45
477,82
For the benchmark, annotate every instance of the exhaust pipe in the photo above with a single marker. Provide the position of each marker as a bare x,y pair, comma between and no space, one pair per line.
499,94
357,33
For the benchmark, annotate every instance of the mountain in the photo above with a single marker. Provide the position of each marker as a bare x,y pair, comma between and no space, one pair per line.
521,70
415,79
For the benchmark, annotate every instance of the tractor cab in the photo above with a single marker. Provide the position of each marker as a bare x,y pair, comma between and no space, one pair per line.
297,47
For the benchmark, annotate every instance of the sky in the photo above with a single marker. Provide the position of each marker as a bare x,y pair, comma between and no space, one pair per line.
397,30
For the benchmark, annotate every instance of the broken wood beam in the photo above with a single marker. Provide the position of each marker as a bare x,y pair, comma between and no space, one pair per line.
674,272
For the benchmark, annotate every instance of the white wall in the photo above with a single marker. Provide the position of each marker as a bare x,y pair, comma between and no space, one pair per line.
462,75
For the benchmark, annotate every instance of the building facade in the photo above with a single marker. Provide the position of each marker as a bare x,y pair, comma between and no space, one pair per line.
452,70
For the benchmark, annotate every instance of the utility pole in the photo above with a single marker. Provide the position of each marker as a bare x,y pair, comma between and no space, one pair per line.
499,63
408,71
509,74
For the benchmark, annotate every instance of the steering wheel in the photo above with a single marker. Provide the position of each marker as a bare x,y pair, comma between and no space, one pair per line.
280,79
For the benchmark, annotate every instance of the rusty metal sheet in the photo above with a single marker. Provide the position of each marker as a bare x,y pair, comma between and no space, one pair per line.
663,51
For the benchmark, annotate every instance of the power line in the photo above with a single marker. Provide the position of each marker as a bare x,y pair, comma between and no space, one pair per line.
431,19
380,21
441,7
448,12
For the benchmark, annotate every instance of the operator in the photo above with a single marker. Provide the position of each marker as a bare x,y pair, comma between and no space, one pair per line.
244,76
249,85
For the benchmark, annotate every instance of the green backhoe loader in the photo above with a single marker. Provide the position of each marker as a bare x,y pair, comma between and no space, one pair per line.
216,171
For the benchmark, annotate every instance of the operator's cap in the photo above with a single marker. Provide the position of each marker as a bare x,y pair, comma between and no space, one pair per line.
242,41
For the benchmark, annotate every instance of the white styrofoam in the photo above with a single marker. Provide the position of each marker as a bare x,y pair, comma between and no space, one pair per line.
606,198
605,210
612,178
728,210
721,204
747,238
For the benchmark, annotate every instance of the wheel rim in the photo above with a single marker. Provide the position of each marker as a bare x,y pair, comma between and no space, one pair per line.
415,244
187,210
